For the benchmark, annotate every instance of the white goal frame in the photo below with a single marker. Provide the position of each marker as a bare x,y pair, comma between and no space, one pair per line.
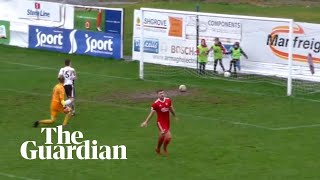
290,35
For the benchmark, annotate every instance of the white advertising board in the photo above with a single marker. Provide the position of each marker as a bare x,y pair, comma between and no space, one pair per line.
39,10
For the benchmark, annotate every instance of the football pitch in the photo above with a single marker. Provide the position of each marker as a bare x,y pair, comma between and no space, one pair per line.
226,129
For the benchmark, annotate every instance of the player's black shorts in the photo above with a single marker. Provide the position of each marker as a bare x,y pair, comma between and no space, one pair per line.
69,89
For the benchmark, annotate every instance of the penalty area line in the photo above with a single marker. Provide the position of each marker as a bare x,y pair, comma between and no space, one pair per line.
78,72
16,177
253,125
296,127
19,70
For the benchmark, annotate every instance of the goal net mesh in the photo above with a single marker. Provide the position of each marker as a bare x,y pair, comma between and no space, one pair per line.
171,41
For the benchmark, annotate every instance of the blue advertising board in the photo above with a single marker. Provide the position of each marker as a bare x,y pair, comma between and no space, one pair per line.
98,44
113,21
53,39
76,41
150,45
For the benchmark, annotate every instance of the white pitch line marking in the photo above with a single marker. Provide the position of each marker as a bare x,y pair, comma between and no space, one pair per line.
296,127
16,177
80,72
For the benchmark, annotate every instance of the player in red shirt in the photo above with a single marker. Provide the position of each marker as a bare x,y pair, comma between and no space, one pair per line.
163,107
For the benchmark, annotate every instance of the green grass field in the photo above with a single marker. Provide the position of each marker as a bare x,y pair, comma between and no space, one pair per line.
226,130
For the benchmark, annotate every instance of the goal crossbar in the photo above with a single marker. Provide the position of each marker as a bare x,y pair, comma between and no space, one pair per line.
216,15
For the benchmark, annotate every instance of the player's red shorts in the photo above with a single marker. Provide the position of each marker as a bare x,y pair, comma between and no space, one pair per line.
163,127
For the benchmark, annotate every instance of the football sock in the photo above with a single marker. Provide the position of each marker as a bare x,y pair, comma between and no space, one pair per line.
67,118
165,144
48,121
231,63
73,108
220,61
160,141
215,65
99,18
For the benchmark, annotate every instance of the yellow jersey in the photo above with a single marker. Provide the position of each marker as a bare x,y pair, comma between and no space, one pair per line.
58,94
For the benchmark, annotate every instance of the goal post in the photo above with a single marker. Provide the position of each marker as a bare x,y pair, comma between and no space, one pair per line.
165,50
141,63
290,58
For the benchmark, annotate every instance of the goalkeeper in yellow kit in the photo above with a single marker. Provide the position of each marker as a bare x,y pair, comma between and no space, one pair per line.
58,105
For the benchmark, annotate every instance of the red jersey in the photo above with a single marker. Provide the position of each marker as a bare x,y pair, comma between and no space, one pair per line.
163,113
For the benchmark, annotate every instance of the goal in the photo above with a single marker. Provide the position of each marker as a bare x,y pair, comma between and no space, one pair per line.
165,43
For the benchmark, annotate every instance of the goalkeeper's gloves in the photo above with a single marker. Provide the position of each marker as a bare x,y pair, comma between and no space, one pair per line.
63,103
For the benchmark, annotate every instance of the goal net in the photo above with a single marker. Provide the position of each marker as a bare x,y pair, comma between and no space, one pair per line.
167,44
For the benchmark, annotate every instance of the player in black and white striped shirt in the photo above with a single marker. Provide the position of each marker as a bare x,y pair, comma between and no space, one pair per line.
70,76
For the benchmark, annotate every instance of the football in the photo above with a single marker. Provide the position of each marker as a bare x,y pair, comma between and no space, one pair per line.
182,88
227,74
